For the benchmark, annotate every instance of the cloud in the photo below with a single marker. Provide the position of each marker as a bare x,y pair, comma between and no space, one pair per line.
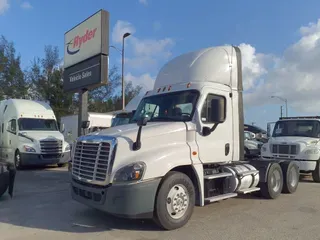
4,6
294,75
144,56
144,2
156,26
120,28
26,5
146,81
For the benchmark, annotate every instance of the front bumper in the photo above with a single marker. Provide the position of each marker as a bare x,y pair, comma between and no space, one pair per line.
130,201
29,159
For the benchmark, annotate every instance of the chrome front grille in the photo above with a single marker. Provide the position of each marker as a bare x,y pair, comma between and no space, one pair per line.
284,149
91,160
51,146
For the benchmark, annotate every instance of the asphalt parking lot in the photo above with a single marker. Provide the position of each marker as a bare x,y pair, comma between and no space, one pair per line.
42,209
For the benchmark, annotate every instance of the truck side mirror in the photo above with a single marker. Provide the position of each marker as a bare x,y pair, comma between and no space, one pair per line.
85,124
142,121
217,111
62,128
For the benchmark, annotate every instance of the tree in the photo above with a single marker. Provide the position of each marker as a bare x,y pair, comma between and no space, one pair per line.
108,98
12,78
46,80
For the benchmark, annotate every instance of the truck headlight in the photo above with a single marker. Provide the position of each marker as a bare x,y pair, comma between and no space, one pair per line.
27,148
67,148
130,173
312,151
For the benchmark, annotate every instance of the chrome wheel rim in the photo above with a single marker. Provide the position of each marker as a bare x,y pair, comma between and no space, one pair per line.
18,160
177,201
276,180
293,177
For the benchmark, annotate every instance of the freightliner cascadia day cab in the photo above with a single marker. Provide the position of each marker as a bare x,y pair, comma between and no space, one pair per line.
29,134
296,139
183,148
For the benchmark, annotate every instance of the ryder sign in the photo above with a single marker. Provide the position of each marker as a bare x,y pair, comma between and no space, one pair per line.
86,51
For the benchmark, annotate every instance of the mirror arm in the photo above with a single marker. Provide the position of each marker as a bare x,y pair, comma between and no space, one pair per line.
208,130
137,145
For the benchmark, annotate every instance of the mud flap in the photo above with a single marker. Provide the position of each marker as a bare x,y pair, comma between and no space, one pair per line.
12,175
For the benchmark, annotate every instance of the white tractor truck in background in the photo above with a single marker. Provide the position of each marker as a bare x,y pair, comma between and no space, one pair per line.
296,139
29,134
183,148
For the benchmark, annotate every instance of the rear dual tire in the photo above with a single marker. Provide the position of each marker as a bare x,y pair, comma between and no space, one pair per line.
282,178
273,187
291,175
316,173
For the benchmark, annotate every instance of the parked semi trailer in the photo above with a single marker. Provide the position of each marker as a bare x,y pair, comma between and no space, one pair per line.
185,149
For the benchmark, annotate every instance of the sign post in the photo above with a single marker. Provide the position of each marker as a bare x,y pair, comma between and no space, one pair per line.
86,58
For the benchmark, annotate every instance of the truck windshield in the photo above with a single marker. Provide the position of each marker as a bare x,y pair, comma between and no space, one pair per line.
34,124
121,119
303,128
176,106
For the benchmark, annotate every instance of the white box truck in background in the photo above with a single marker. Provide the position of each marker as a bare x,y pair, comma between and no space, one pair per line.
98,121
296,139
29,134
186,149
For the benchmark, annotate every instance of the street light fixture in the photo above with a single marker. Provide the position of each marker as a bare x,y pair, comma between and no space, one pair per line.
285,101
123,92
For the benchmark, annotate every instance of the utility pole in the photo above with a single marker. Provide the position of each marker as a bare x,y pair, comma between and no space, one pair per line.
281,111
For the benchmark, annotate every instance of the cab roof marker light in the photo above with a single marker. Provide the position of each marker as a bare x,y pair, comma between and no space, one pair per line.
188,85
169,88
146,93
159,89
164,88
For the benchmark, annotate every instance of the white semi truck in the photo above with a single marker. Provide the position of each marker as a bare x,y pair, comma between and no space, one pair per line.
296,139
185,147
29,134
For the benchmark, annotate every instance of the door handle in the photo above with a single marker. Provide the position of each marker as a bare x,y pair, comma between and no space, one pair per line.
227,149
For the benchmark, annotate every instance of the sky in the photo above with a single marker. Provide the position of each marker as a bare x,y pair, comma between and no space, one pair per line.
279,41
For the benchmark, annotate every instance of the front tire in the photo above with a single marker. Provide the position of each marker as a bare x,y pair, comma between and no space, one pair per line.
316,173
17,160
291,175
175,201
273,187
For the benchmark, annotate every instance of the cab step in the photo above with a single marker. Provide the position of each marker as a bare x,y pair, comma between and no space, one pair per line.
248,190
217,175
220,197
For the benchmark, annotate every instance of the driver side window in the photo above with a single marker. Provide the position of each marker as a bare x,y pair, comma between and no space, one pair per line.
206,108
12,126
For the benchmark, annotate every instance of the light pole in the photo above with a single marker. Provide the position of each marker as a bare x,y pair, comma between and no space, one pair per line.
285,101
123,92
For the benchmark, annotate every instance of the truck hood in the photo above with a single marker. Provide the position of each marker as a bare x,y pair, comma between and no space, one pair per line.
293,139
152,129
41,135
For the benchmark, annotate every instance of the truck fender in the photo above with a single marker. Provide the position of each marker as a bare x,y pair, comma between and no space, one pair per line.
263,167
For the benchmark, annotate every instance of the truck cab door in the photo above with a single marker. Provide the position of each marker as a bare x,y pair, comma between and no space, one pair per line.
218,145
270,127
10,140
